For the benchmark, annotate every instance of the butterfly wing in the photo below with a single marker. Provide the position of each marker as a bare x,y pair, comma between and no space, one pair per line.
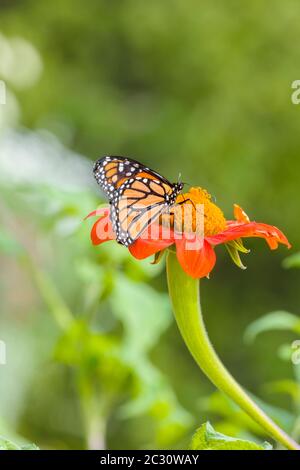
111,171
137,204
138,195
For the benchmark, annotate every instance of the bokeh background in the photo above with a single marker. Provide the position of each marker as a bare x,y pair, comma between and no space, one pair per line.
94,358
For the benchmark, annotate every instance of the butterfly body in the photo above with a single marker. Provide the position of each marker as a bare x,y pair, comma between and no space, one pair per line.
137,195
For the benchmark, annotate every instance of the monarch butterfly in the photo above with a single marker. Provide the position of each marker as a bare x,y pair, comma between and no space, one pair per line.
137,195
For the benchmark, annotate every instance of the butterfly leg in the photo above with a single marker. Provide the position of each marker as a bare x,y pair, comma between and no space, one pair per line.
184,201
188,200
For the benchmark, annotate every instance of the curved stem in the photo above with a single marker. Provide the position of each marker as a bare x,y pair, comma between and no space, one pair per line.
184,294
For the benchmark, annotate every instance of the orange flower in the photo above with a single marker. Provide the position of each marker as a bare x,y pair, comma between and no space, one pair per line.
194,247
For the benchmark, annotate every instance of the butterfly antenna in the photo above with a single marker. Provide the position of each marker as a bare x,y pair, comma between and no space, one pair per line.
183,182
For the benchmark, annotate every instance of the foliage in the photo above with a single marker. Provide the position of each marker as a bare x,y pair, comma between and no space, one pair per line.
282,320
279,320
8,445
206,438
231,420
292,261
109,353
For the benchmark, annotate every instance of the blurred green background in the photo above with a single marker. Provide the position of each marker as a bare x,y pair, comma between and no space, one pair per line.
197,88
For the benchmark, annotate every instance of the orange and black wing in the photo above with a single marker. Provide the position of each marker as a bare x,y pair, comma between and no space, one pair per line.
137,195
111,171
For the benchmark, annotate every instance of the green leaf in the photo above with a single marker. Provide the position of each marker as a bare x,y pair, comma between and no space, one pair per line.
234,255
98,356
5,444
278,320
206,438
144,313
231,415
29,447
284,386
233,248
292,261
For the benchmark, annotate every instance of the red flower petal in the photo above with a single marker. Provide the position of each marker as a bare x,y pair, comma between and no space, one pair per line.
196,262
102,212
151,241
102,229
239,214
234,230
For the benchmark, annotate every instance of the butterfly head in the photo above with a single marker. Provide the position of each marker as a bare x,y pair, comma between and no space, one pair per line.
177,188
179,185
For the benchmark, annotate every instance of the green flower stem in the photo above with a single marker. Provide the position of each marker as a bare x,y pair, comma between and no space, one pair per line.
184,294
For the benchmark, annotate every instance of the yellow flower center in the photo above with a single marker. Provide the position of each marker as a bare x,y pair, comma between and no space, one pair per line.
214,220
